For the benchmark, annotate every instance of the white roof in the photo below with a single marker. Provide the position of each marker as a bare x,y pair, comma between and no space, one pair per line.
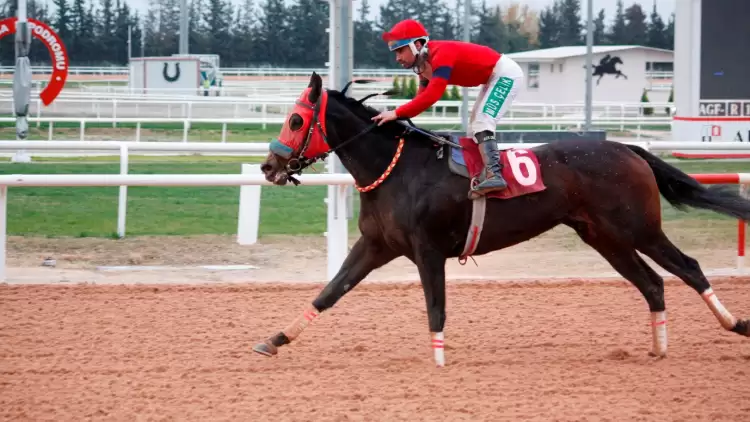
549,54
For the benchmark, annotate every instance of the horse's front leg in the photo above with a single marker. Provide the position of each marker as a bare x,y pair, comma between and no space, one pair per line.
365,256
431,266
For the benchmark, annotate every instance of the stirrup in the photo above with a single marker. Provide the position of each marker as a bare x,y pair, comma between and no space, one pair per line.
475,193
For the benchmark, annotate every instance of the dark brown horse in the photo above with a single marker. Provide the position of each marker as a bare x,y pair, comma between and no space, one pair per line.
416,206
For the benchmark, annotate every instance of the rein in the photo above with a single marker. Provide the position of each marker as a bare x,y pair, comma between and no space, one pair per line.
302,163
299,163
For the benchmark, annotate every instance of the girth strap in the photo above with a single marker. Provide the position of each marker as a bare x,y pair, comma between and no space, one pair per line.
478,208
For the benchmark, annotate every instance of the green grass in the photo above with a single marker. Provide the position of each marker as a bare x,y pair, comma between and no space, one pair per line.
199,132
210,132
92,211
173,159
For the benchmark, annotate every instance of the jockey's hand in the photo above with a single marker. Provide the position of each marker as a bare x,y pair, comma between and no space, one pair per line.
385,116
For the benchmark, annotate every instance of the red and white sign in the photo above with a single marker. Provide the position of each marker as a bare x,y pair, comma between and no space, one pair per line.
57,51
711,129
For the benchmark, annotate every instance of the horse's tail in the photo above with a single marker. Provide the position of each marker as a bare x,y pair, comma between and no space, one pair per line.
681,190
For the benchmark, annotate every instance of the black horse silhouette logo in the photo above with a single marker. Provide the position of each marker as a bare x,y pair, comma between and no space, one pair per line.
607,66
166,74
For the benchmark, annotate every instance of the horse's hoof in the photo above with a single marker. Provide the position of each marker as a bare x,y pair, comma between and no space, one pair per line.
742,327
265,349
658,355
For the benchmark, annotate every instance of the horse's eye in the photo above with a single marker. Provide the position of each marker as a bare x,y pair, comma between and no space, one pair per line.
295,122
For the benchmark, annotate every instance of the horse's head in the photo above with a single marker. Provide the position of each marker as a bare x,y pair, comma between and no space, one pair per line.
306,138
303,138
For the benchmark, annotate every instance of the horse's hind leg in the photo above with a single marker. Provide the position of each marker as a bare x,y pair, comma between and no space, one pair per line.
625,260
665,253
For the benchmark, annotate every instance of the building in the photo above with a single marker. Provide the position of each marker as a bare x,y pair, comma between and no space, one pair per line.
712,94
621,73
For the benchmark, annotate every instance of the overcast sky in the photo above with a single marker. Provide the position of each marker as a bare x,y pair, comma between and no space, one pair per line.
665,7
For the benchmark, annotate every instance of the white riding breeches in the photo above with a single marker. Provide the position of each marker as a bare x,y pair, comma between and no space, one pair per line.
496,96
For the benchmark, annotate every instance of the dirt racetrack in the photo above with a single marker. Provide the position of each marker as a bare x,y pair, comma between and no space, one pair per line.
541,351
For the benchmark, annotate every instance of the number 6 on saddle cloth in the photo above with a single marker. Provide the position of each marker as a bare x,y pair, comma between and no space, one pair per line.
520,168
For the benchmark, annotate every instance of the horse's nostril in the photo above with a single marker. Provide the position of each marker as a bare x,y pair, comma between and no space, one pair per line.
265,168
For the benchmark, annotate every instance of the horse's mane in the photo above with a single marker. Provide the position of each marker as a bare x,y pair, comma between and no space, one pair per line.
365,113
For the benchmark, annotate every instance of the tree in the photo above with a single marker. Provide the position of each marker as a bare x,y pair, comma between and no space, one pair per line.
523,26
647,111
411,88
244,33
549,27
518,37
635,27
656,31
669,34
218,18
570,23
62,20
490,29
364,38
273,37
670,100
308,22
267,32
617,34
600,38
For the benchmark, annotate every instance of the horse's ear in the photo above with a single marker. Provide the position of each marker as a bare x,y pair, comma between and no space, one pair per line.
312,79
316,83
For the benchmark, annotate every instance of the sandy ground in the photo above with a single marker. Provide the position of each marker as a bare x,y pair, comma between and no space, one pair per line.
530,351
524,341
558,253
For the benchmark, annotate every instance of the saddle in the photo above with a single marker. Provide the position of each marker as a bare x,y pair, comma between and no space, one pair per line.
520,168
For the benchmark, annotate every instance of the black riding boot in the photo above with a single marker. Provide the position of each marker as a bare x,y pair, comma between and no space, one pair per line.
491,179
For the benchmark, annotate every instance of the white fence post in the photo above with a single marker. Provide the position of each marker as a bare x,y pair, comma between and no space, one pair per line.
122,202
3,228
337,234
248,219
741,230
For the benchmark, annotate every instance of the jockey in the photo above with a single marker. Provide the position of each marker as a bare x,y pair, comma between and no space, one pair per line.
439,63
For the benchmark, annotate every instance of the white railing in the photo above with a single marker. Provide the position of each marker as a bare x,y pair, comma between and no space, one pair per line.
249,206
113,100
146,180
260,110
557,123
234,71
257,71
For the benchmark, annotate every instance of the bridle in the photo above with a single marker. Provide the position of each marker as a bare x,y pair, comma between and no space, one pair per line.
296,164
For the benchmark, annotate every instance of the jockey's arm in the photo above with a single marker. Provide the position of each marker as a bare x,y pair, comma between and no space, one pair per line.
442,66
426,98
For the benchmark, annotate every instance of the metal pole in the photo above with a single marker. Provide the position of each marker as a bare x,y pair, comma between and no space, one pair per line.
130,44
465,90
22,11
22,79
589,63
184,32
339,73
